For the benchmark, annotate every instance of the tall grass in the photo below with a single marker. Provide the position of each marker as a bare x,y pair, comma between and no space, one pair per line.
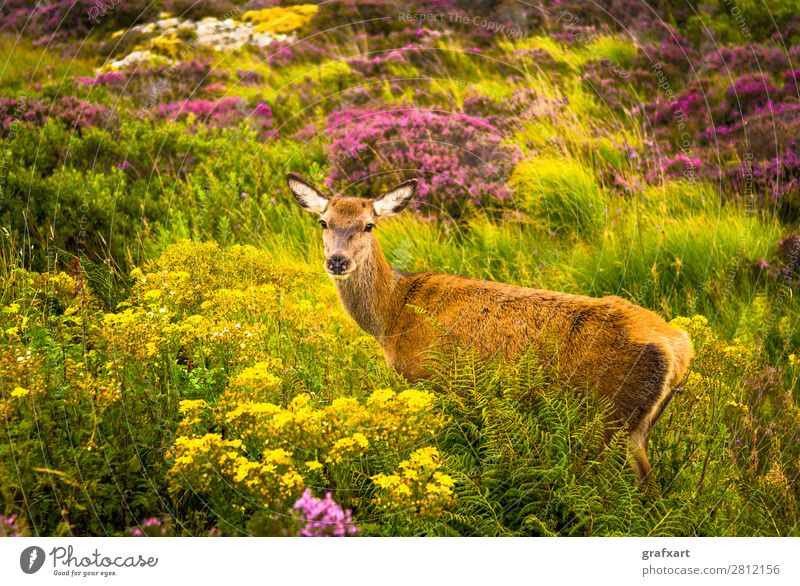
562,194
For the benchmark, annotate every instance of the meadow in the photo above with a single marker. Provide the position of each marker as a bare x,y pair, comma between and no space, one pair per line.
175,361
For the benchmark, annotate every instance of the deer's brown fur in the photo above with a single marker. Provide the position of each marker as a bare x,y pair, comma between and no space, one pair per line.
617,349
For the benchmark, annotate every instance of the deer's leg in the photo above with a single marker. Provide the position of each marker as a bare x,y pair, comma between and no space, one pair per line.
639,460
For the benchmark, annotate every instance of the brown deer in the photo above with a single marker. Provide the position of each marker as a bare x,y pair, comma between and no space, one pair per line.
618,349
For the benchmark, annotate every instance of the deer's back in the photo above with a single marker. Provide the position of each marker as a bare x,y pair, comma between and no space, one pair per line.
611,345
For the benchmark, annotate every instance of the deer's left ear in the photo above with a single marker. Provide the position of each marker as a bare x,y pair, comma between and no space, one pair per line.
396,199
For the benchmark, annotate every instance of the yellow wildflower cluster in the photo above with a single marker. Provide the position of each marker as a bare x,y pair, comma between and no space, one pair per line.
193,412
337,432
211,268
20,392
281,19
102,388
254,384
721,363
300,438
348,447
163,288
417,486
210,463
200,301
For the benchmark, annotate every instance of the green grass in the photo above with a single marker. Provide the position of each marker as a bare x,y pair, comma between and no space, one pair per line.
22,65
561,194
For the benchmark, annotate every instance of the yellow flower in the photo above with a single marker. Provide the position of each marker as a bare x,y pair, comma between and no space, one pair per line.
347,446
190,405
291,482
417,400
380,396
244,468
279,456
386,481
421,487
20,392
280,19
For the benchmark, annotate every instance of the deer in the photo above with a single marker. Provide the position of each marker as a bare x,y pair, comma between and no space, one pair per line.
622,351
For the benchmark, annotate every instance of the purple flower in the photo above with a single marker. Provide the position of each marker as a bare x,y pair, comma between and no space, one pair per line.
462,158
206,109
263,110
323,517
75,113
219,113
680,165
9,527
152,527
750,92
110,78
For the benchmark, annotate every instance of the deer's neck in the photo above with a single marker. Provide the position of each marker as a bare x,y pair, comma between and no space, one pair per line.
367,293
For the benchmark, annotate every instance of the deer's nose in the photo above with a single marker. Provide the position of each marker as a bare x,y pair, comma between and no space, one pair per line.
338,264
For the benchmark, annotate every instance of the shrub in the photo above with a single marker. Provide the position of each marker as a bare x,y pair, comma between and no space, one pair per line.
141,360
218,113
75,113
301,445
460,159
514,424
61,19
750,92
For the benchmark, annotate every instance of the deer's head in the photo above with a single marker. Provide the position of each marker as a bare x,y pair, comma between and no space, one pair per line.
347,222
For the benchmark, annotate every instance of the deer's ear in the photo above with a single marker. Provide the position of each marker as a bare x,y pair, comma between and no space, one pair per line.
306,196
396,199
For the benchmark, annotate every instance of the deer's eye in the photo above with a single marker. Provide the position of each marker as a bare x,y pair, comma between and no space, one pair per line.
369,227
323,223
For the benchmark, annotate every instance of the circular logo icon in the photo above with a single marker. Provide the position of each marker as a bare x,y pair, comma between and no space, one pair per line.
31,559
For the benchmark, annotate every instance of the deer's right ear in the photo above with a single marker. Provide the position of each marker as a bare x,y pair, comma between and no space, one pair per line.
396,199
305,195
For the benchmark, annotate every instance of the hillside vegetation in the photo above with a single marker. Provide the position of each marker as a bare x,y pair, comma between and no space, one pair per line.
174,360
